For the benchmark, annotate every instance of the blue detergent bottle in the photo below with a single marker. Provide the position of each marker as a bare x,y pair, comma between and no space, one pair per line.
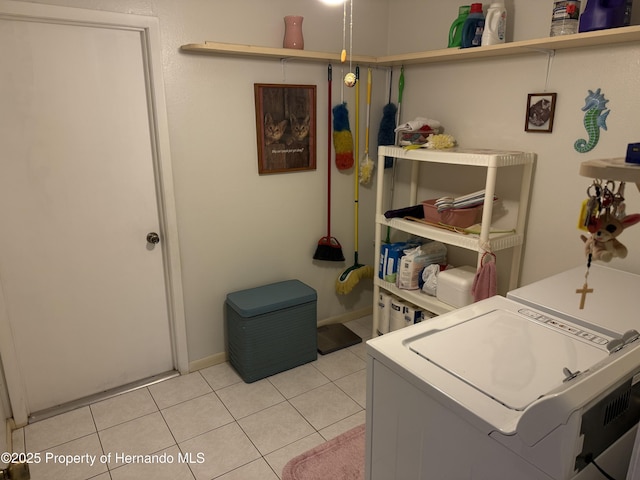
603,14
455,32
473,27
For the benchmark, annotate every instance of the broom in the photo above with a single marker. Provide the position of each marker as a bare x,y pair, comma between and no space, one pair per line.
352,275
328,247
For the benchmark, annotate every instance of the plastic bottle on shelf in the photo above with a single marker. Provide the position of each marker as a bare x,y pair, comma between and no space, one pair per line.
565,16
473,27
600,15
455,32
627,12
495,24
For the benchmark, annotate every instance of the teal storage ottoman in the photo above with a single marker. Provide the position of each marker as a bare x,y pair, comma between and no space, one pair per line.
271,328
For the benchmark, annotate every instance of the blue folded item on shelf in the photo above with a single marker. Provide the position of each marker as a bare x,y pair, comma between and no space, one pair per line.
390,255
633,153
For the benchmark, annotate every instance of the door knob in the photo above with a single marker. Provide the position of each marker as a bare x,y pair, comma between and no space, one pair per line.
153,238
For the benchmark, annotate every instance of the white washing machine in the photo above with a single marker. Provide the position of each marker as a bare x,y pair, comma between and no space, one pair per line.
610,307
502,389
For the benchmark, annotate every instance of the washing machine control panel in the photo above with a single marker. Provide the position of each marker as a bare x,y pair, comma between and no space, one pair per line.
566,327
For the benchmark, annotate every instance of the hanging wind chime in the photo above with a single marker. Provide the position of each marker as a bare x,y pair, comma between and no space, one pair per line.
350,78
342,138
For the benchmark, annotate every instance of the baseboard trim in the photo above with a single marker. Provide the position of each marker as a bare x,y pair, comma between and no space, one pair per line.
347,317
209,361
107,394
10,426
222,357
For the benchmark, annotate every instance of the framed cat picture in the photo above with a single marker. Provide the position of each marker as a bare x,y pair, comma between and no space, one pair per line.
286,127
541,108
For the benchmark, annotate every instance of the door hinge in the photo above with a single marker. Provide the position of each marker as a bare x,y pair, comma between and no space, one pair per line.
15,471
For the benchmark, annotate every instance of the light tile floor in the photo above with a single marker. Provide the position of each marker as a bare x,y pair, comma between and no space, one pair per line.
205,425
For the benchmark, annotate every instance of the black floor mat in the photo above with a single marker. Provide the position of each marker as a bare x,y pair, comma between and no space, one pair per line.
335,337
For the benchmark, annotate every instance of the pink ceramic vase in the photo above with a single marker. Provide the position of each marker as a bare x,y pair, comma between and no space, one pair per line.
293,32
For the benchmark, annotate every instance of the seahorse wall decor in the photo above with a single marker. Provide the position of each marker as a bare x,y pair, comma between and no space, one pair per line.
595,118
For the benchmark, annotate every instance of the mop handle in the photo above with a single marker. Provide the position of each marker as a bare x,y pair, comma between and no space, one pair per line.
329,76
356,173
400,92
343,54
366,132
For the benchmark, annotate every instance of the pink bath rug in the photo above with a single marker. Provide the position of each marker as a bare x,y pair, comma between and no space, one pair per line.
340,458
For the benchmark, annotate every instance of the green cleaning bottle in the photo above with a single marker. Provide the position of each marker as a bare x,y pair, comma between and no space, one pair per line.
455,32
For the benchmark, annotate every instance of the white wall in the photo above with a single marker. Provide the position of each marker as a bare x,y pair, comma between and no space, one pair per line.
5,414
239,229
482,103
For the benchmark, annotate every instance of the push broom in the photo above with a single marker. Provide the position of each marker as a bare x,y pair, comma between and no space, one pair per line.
352,275
328,247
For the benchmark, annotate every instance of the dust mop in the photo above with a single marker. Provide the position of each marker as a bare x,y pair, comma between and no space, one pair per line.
328,247
342,138
352,275
387,130
393,162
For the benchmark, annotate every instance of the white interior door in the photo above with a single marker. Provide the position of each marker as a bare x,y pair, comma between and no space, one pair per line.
5,414
86,296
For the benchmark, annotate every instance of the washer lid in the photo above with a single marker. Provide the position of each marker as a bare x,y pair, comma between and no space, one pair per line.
508,357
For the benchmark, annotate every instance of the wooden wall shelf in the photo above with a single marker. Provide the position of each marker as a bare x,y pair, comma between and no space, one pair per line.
549,44
217,48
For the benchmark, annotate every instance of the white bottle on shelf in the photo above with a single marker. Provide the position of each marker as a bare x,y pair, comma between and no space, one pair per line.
495,24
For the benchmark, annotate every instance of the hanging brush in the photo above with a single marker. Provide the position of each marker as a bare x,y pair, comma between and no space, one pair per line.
392,114
342,138
387,131
367,165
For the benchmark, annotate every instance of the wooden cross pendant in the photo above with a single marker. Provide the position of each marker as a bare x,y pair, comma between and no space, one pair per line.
584,290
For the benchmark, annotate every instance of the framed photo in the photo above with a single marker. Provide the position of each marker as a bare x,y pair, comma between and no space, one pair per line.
286,127
540,110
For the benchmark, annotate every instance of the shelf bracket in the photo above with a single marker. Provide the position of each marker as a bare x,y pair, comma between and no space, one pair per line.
283,65
551,53
550,56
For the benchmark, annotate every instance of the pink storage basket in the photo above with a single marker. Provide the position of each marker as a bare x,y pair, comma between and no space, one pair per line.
456,217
